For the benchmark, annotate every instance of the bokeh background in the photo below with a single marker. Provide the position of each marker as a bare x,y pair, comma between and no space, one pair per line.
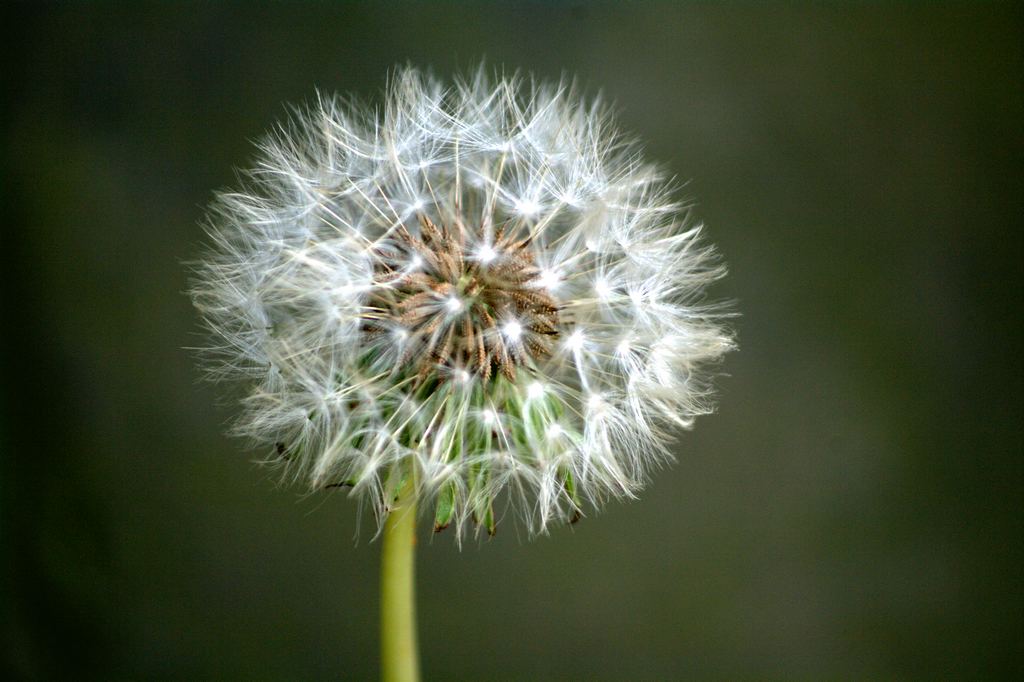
853,510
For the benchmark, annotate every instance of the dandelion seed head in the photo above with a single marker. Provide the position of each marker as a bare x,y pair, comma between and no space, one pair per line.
481,283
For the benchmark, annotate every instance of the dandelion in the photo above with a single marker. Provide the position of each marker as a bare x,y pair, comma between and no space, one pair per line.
480,297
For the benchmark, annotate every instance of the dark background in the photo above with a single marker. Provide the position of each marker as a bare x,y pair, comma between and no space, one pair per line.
853,510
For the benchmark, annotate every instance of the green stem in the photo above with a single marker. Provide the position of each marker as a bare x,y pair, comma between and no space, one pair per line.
399,651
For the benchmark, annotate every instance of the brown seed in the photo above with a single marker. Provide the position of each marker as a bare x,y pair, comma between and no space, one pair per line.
491,293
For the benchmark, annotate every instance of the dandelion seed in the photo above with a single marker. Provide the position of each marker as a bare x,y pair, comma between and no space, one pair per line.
486,254
513,330
453,304
548,279
535,390
527,207
576,340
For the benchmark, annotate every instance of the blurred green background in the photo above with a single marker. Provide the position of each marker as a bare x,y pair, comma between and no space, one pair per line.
853,510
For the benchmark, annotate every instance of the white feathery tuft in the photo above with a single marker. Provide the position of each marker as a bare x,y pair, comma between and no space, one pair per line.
484,286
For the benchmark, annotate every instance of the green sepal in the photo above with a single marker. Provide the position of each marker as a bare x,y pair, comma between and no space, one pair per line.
402,475
570,490
489,520
445,508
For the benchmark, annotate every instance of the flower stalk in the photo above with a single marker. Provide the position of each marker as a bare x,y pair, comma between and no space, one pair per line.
399,647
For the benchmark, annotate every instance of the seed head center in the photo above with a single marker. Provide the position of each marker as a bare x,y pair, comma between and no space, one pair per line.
467,304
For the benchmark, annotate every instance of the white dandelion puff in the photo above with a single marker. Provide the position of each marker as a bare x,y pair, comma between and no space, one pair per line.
483,286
